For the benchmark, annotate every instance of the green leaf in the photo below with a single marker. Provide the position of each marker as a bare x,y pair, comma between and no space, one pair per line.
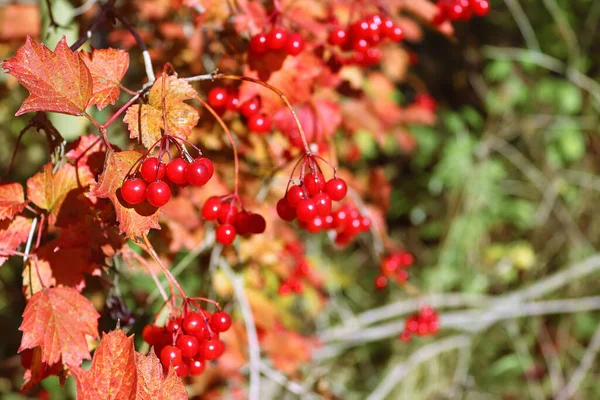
498,70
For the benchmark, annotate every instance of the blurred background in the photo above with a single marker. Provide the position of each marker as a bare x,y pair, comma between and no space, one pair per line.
496,200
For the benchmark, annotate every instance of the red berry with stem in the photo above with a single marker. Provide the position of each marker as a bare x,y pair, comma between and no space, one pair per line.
306,209
256,224
197,173
188,345
158,193
211,349
294,195
220,321
314,183
226,234
176,171
134,191
250,107
336,188
211,207
153,169
337,37
193,323
323,204
294,44
258,44
173,325
259,123
277,38
217,97
285,210
227,213
170,355
197,366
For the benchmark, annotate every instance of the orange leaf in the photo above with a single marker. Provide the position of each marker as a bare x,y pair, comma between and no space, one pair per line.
148,118
58,320
112,375
12,199
12,234
107,67
58,80
152,384
134,221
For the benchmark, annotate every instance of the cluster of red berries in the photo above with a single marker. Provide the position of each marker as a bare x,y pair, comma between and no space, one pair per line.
394,265
424,323
153,186
362,38
277,40
232,221
293,283
463,10
187,343
222,100
349,222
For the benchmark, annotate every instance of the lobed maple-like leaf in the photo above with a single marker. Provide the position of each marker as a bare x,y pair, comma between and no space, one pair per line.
152,384
148,118
12,200
107,67
112,375
134,221
12,234
58,81
58,320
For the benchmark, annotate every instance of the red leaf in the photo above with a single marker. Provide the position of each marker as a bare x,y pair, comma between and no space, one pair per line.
87,154
12,199
112,375
12,234
134,221
58,320
107,67
57,81
152,384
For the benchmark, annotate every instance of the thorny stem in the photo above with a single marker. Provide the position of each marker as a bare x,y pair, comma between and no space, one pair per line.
233,145
150,249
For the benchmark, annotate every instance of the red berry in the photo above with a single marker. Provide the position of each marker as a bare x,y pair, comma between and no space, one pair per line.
294,44
182,370
314,183
217,97
211,349
360,45
402,276
193,323
152,334
170,355
405,336
412,324
365,224
306,209
277,38
211,207
396,34
158,193
340,218
323,204
220,321
259,123
380,282
176,171
227,213
258,44
173,325
226,234
285,210
153,169
188,345
256,223
134,191
294,195
208,164
233,101
337,37
480,7
197,173
359,30
250,107
240,222
197,366
336,188
315,225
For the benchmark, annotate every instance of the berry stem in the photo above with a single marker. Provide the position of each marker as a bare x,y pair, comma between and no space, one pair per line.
150,249
142,261
121,110
233,145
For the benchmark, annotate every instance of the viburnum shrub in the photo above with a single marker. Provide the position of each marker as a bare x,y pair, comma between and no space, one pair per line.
236,154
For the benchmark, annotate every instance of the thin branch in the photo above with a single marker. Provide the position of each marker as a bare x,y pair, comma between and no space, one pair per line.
551,357
420,356
141,44
524,24
523,355
565,30
253,345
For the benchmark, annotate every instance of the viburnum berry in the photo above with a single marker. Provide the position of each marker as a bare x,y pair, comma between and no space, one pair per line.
250,107
220,321
285,210
197,173
211,207
314,183
323,204
336,188
259,123
173,325
480,7
337,37
197,366
359,30
227,213
294,44
277,38
193,323
182,369
158,193
258,44
176,171
233,101
153,169
425,322
294,195
211,349
306,209
134,191
226,234
217,97
256,223
188,345
381,282
170,355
